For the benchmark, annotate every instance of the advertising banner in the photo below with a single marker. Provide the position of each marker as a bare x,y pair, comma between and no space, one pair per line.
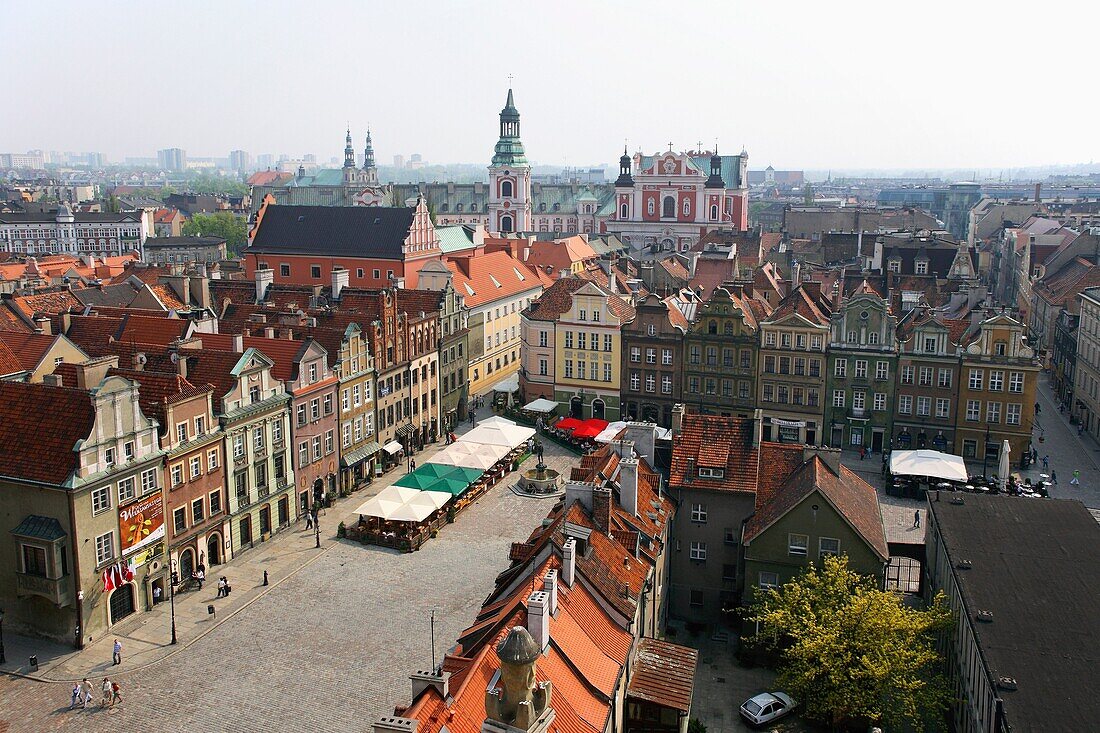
141,523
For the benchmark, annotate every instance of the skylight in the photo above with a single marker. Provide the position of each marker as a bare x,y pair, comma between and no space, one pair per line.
495,281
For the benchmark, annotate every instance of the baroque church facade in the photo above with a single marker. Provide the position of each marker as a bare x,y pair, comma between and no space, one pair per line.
660,202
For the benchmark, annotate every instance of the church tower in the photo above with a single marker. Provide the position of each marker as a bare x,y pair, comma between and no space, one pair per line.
624,189
509,177
349,159
369,168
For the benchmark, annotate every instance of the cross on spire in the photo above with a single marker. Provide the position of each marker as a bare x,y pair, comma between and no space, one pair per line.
509,80
670,146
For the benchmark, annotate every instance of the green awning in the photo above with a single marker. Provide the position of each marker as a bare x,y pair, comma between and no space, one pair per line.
416,481
438,477
368,450
469,475
452,486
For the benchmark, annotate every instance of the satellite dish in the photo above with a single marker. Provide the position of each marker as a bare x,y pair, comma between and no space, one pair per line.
175,358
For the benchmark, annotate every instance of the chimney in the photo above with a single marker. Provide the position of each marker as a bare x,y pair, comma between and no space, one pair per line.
677,419
238,343
601,507
53,380
340,279
568,561
550,585
644,437
628,485
180,285
394,724
181,365
137,361
264,278
578,491
831,456
757,427
538,618
269,332
90,373
200,290
1038,193
42,325
422,680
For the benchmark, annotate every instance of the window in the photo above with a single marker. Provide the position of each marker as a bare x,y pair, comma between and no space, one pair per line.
768,393
179,520
569,343
197,511
607,342
543,338
328,404
200,425
882,370
258,437
651,356
215,502
1016,382
698,551
568,369
769,338
785,340
696,596
840,368
315,272
945,378
905,404
303,453
930,345
104,548
729,536
768,580
284,270
314,409
301,411
924,406
699,513
815,368
922,267
861,368
34,560
797,544
196,466
828,546
176,472
666,384
993,412
996,381
872,338
109,457
705,472
943,407
1013,412
975,379
859,399
101,499
851,337
276,431
838,398
316,447
377,273
973,410
128,450
666,357
253,394
126,490
329,442
907,375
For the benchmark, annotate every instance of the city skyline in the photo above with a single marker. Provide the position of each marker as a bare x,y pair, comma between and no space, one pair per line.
617,77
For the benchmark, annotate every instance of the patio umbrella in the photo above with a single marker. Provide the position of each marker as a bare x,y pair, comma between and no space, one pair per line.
470,455
419,507
568,423
1002,468
508,436
590,428
416,480
386,501
497,420
452,486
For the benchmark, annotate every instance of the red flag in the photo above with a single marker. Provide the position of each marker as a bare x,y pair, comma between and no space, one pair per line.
128,572
108,583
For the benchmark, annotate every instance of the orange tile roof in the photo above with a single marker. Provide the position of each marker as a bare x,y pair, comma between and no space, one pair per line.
46,302
555,300
28,348
9,363
40,426
664,673
487,277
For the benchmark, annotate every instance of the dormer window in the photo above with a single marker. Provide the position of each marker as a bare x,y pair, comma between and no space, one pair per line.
1000,348
253,394
894,266
922,267
705,472
652,330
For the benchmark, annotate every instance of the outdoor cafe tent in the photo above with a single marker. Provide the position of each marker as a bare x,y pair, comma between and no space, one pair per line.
439,477
508,384
590,428
496,420
419,507
470,455
386,501
612,431
541,405
509,436
568,423
929,463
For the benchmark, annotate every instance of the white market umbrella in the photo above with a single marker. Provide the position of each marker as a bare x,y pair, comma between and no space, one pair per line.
419,507
504,435
470,455
497,420
1002,468
610,432
931,463
541,405
386,501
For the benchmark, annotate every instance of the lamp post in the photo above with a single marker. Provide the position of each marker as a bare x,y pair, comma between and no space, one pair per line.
172,603
317,528
985,452
3,658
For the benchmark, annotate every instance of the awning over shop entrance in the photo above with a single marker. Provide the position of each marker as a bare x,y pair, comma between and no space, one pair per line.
359,454
393,447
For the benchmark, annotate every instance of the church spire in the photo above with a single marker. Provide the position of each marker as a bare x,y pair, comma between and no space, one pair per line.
368,153
349,152
509,150
625,178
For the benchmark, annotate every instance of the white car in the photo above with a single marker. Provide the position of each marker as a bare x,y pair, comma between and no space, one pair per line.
767,707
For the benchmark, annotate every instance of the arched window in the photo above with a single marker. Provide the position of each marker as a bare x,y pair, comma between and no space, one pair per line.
713,211
729,328
650,208
623,211
712,327
542,206
668,208
506,189
505,223
446,207
458,207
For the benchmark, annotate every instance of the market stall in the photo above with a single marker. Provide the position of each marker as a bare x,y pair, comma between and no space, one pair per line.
930,463
542,406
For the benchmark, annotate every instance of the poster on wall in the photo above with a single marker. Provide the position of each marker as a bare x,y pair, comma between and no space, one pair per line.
141,523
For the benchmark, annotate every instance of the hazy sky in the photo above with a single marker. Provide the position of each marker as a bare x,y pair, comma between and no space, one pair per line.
799,84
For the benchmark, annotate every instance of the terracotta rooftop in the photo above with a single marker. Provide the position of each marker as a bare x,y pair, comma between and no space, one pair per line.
39,420
28,348
555,300
664,673
9,363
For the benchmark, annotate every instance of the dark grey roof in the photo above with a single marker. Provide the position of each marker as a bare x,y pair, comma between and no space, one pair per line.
355,231
1035,563
119,295
39,528
50,217
155,242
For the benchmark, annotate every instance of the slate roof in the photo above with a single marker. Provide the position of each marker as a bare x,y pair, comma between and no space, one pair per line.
1036,566
39,528
157,242
337,231
38,421
851,496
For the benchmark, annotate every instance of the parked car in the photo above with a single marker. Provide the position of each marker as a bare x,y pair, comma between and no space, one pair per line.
767,707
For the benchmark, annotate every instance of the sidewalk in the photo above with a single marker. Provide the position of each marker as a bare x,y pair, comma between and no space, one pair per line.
146,637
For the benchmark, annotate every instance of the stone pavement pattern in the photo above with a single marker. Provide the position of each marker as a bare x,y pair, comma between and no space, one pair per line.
329,648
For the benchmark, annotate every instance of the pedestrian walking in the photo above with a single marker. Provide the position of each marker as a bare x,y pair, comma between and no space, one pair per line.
200,576
1076,480
118,652
916,518
1054,477
105,700
75,696
1080,429
86,689
309,520
157,592
1036,408
221,583
115,696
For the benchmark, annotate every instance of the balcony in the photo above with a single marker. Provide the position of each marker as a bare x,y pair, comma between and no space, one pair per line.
59,591
262,492
859,413
243,500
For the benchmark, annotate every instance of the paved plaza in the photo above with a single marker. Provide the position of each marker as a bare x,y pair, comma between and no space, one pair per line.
328,646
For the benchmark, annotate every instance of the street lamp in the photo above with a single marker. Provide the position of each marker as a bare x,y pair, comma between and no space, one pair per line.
317,528
985,452
172,603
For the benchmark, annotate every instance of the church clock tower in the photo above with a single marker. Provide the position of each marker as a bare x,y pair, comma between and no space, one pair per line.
509,177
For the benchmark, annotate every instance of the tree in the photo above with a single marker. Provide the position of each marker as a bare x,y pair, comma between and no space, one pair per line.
853,653
219,224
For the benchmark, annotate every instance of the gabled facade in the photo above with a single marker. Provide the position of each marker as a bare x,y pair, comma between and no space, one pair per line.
652,361
720,355
791,380
537,329
588,350
354,370
861,373
454,346
997,390
926,382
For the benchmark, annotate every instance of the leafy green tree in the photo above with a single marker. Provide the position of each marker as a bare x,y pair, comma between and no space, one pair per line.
853,653
219,224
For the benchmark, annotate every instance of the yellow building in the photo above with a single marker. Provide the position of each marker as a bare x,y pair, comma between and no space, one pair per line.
997,384
587,353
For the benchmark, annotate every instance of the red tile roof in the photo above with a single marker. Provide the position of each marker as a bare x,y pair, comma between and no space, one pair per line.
284,352
28,348
9,363
664,673
851,496
555,300
40,426
484,277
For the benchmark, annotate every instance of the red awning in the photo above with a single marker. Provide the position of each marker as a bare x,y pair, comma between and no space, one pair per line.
590,428
568,423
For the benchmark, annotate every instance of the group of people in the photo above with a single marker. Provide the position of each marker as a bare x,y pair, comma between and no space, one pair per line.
83,695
